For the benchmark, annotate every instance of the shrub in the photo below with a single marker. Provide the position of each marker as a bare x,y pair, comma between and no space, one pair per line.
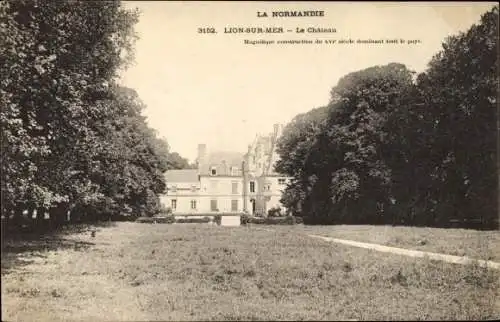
148,220
288,220
203,220
166,211
122,217
218,219
166,220
299,220
274,212
158,220
245,219
257,220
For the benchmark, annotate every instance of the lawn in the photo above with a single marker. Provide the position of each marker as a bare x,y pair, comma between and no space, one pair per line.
200,272
459,242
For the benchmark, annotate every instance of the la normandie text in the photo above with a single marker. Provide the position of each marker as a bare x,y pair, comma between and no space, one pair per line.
281,14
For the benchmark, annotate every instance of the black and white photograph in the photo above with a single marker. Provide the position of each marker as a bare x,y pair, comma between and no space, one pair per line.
249,160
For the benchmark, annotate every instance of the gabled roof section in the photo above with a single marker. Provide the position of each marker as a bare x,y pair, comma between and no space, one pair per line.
231,158
185,175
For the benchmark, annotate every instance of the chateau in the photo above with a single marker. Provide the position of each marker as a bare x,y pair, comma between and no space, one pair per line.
229,182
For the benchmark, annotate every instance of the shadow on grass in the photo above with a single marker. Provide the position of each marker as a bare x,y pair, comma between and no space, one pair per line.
20,248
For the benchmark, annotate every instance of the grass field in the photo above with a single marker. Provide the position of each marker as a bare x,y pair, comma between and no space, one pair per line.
459,242
199,272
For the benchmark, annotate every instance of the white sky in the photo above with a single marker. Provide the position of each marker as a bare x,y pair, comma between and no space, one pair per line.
214,89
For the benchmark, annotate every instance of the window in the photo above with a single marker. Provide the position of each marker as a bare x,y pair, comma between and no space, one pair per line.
252,186
193,188
213,205
193,204
281,181
174,204
234,171
213,171
173,188
234,205
235,188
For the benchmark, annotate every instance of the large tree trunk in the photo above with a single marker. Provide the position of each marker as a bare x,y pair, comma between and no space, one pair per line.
17,216
58,215
6,212
40,219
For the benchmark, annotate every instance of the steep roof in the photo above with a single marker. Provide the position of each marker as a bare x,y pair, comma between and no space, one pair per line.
186,175
231,158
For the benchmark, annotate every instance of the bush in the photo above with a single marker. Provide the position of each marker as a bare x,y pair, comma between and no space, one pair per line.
165,211
245,219
274,212
156,220
218,219
148,220
166,220
311,220
288,220
203,220
122,217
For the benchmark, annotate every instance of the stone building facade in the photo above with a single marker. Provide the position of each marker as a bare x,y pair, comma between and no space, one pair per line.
229,182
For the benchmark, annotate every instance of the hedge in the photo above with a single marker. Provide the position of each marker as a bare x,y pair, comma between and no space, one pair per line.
203,220
158,220
288,220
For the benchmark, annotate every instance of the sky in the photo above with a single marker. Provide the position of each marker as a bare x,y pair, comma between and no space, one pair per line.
217,90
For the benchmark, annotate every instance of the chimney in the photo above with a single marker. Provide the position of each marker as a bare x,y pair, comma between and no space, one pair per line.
202,152
224,168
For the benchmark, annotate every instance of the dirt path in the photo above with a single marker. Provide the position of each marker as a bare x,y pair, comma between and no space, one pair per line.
139,272
412,253
463,260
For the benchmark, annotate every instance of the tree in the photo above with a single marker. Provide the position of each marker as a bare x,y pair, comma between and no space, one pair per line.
397,151
458,104
71,137
293,147
130,163
354,174
175,161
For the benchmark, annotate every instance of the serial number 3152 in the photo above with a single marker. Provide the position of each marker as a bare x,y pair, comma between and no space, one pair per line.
208,30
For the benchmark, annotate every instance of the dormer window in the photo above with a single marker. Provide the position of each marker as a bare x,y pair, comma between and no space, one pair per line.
213,171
